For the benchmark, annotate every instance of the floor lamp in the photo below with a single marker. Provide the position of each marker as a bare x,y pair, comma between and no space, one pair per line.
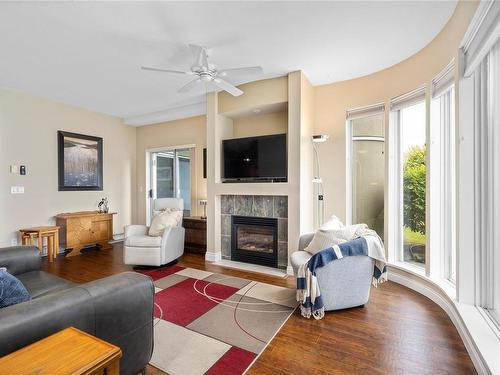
317,180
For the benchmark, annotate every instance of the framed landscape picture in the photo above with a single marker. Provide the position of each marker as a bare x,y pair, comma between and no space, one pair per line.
80,161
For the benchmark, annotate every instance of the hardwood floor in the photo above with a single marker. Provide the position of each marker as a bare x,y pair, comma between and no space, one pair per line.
397,332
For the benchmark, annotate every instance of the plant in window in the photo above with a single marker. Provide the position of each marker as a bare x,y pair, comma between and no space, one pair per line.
414,189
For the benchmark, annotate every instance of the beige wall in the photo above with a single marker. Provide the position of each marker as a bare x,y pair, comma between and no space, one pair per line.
333,100
28,136
169,134
255,95
262,124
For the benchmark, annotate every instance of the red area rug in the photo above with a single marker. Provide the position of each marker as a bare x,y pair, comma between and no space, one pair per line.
207,323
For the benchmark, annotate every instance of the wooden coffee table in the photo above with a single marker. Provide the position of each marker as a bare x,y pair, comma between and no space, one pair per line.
69,351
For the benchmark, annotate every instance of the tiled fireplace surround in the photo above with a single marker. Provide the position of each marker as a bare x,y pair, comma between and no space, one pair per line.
255,206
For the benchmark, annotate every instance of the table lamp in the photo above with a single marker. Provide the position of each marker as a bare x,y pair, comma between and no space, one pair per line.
203,202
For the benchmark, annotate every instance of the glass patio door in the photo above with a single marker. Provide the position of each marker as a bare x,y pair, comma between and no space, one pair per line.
171,176
367,161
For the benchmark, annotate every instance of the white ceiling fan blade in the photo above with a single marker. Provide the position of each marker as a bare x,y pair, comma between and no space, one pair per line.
189,85
165,70
243,70
226,86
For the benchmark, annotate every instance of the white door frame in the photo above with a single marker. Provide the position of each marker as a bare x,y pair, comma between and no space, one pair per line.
149,151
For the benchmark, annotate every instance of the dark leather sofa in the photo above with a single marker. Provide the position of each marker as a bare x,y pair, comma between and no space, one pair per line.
117,309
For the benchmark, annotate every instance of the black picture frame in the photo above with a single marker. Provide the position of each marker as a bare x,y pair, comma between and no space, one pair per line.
95,164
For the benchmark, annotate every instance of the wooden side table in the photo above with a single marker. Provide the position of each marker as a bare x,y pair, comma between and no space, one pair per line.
196,234
28,235
69,351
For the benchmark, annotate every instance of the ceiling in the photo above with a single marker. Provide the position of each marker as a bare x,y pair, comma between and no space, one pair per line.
88,54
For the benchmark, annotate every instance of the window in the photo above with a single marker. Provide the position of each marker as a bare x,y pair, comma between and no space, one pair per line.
479,180
409,190
442,176
367,165
413,175
170,173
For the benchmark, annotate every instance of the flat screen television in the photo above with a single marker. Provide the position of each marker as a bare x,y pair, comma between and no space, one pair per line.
255,159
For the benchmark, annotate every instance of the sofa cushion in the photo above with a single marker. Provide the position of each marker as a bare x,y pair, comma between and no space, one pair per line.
324,239
40,283
333,223
165,219
143,241
12,290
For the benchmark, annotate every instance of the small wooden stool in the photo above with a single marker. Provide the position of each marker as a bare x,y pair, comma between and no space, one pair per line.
28,236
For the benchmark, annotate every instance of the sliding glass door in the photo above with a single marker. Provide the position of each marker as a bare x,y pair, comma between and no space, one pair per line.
170,173
368,171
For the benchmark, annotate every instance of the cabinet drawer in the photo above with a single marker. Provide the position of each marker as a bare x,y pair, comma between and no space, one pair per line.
195,224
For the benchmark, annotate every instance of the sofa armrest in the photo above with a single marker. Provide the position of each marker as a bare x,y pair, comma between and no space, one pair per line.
136,230
173,242
305,240
123,306
118,309
20,259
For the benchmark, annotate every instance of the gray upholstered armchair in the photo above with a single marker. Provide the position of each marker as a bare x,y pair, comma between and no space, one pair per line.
141,249
343,283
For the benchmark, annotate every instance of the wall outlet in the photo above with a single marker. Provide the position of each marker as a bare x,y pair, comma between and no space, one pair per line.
13,169
13,242
17,189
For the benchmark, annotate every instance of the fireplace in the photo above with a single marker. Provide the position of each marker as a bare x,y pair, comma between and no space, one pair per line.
254,240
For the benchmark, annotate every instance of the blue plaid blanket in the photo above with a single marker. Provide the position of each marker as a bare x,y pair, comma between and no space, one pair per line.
308,291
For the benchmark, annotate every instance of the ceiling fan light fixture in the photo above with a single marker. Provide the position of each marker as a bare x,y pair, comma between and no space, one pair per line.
208,73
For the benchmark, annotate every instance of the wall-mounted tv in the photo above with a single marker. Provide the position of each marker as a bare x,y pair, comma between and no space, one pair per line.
255,159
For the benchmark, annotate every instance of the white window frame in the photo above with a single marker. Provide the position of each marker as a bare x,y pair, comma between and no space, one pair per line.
443,254
395,181
478,201
353,114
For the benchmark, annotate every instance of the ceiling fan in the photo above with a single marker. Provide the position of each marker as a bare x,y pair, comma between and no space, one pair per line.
205,72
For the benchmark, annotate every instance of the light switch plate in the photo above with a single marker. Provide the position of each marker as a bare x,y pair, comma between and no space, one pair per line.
17,189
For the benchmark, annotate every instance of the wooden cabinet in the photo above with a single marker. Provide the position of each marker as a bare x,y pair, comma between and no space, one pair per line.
196,234
80,229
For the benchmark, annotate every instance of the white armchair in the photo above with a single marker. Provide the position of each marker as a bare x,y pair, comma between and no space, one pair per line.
141,249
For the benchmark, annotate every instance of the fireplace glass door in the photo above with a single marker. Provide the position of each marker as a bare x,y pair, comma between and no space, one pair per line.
252,238
255,240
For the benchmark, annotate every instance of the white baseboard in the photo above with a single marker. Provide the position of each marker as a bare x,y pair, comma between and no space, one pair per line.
252,268
437,295
213,257
119,237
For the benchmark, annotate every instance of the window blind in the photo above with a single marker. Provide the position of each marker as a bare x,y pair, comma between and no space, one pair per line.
481,35
444,80
371,110
408,99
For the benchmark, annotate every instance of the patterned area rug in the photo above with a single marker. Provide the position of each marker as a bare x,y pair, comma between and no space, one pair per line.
207,323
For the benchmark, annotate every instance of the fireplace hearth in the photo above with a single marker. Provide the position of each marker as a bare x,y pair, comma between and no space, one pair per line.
254,240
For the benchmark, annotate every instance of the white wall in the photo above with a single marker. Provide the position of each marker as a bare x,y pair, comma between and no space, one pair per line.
28,136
